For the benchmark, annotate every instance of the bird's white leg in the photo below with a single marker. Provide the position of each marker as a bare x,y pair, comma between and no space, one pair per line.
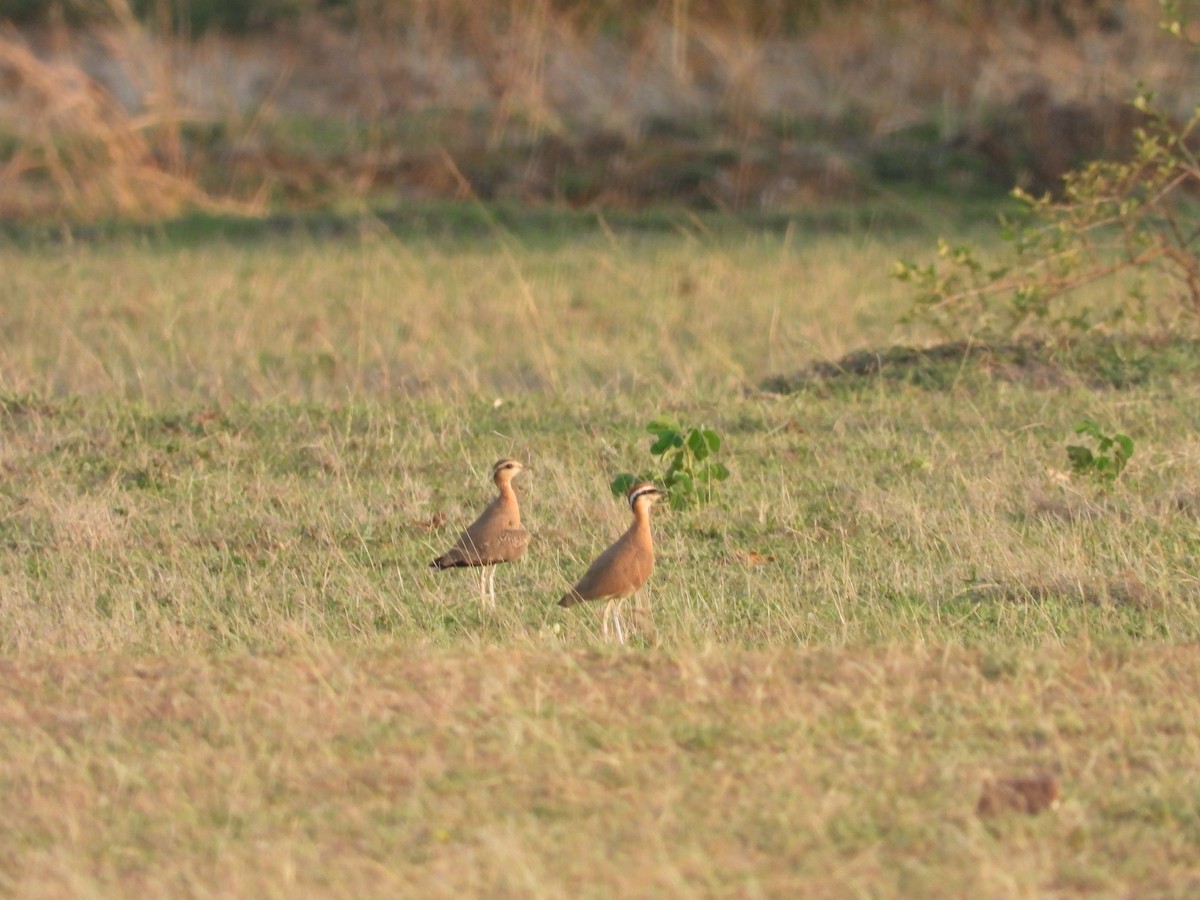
483,584
617,623
492,584
604,619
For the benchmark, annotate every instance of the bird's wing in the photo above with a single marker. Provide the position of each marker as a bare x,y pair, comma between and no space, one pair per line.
488,540
617,572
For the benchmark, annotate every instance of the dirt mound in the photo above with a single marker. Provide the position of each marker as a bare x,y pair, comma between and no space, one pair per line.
1038,364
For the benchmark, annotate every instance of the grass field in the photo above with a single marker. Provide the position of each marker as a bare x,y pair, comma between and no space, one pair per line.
228,457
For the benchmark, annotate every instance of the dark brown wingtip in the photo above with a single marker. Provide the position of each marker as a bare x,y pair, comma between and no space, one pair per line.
460,564
568,600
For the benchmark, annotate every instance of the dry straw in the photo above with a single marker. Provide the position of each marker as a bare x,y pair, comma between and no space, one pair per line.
79,153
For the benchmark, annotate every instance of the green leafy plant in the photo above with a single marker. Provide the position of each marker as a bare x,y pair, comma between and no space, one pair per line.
690,474
1108,460
1111,216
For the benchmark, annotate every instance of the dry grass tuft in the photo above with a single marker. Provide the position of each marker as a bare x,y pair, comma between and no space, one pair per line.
552,103
82,155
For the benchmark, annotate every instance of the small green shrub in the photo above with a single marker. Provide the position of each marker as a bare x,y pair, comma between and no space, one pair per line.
1112,216
1107,461
690,474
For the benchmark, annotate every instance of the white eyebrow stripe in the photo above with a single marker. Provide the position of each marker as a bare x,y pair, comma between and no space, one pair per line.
648,489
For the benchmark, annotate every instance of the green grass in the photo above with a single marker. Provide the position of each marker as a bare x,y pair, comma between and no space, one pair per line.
227,461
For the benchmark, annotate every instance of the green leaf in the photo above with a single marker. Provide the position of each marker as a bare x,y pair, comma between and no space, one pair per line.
685,454
1082,459
680,500
622,483
666,440
1126,445
717,471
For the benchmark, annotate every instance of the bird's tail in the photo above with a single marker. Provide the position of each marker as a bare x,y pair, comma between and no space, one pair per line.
570,599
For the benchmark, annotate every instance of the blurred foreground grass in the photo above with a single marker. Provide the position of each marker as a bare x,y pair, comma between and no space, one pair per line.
338,771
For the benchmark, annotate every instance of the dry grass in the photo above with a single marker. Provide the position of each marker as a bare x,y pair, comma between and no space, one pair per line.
79,154
227,462
540,103
502,773
228,670
378,316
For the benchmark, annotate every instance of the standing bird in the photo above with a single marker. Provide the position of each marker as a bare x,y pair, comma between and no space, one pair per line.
620,570
495,537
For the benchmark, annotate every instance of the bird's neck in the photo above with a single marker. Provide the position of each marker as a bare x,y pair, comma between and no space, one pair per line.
508,500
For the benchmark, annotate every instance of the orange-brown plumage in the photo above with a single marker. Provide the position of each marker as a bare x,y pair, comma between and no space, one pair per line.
624,567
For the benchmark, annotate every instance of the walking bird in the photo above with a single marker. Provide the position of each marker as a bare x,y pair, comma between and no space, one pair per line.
623,568
495,537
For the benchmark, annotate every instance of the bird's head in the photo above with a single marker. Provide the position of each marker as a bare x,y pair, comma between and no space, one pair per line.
644,492
505,470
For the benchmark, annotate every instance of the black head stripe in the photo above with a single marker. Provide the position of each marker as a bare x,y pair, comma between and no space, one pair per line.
648,489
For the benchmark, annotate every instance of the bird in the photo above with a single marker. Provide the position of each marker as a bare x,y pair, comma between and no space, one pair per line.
495,537
624,567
